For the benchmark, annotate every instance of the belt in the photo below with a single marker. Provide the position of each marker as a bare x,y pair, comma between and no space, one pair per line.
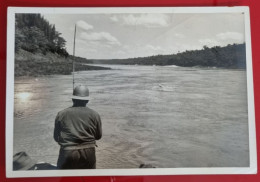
77,147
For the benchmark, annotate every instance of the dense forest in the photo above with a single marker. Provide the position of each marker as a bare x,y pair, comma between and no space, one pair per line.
41,50
230,56
34,34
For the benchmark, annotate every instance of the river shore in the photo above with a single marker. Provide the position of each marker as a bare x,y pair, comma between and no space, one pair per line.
29,64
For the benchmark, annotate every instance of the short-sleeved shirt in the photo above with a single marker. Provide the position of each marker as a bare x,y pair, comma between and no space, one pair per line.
77,125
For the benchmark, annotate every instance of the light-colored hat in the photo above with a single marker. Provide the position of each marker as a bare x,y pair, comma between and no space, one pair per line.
21,161
80,92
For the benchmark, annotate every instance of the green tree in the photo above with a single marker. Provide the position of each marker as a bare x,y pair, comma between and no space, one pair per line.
35,34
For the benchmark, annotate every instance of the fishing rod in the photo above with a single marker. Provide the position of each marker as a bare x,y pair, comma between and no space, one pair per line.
73,60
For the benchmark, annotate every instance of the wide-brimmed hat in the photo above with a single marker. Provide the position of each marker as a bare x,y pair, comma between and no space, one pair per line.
21,161
80,92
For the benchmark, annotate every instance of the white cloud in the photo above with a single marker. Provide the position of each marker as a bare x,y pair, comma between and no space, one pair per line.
209,42
104,37
148,20
126,47
178,35
82,24
153,48
83,49
114,18
231,35
121,52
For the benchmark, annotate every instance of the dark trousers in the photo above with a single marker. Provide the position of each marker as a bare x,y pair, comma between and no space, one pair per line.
77,159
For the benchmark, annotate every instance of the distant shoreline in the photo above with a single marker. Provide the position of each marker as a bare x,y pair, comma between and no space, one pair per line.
167,66
36,64
229,57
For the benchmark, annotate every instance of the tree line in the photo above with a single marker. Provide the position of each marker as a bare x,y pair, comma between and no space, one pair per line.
230,56
40,49
35,34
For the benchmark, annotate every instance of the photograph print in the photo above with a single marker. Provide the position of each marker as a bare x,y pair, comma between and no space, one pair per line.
111,91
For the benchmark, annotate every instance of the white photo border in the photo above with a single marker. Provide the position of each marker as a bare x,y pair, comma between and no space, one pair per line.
252,169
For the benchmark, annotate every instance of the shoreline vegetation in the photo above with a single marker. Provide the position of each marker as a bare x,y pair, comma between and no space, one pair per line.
228,57
29,64
40,50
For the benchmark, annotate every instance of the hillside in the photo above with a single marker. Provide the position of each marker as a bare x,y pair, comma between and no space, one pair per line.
230,56
41,50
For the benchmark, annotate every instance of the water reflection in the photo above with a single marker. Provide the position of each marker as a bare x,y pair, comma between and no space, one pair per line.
24,96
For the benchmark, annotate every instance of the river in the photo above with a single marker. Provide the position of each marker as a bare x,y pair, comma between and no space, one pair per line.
166,116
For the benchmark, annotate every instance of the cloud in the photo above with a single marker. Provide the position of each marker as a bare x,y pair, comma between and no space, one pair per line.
114,19
178,35
121,52
84,49
104,37
209,42
231,35
153,48
82,24
147,20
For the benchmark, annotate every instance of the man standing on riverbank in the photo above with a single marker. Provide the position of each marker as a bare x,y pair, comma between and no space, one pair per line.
76,130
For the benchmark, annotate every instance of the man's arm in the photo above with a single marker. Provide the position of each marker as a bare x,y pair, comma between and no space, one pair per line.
99,128
56,134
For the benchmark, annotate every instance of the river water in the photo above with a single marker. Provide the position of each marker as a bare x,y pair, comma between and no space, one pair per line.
166,116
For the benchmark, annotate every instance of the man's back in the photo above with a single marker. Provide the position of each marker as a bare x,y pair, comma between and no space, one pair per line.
77,125
76,129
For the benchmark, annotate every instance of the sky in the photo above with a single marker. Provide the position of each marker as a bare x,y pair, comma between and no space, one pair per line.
129,35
